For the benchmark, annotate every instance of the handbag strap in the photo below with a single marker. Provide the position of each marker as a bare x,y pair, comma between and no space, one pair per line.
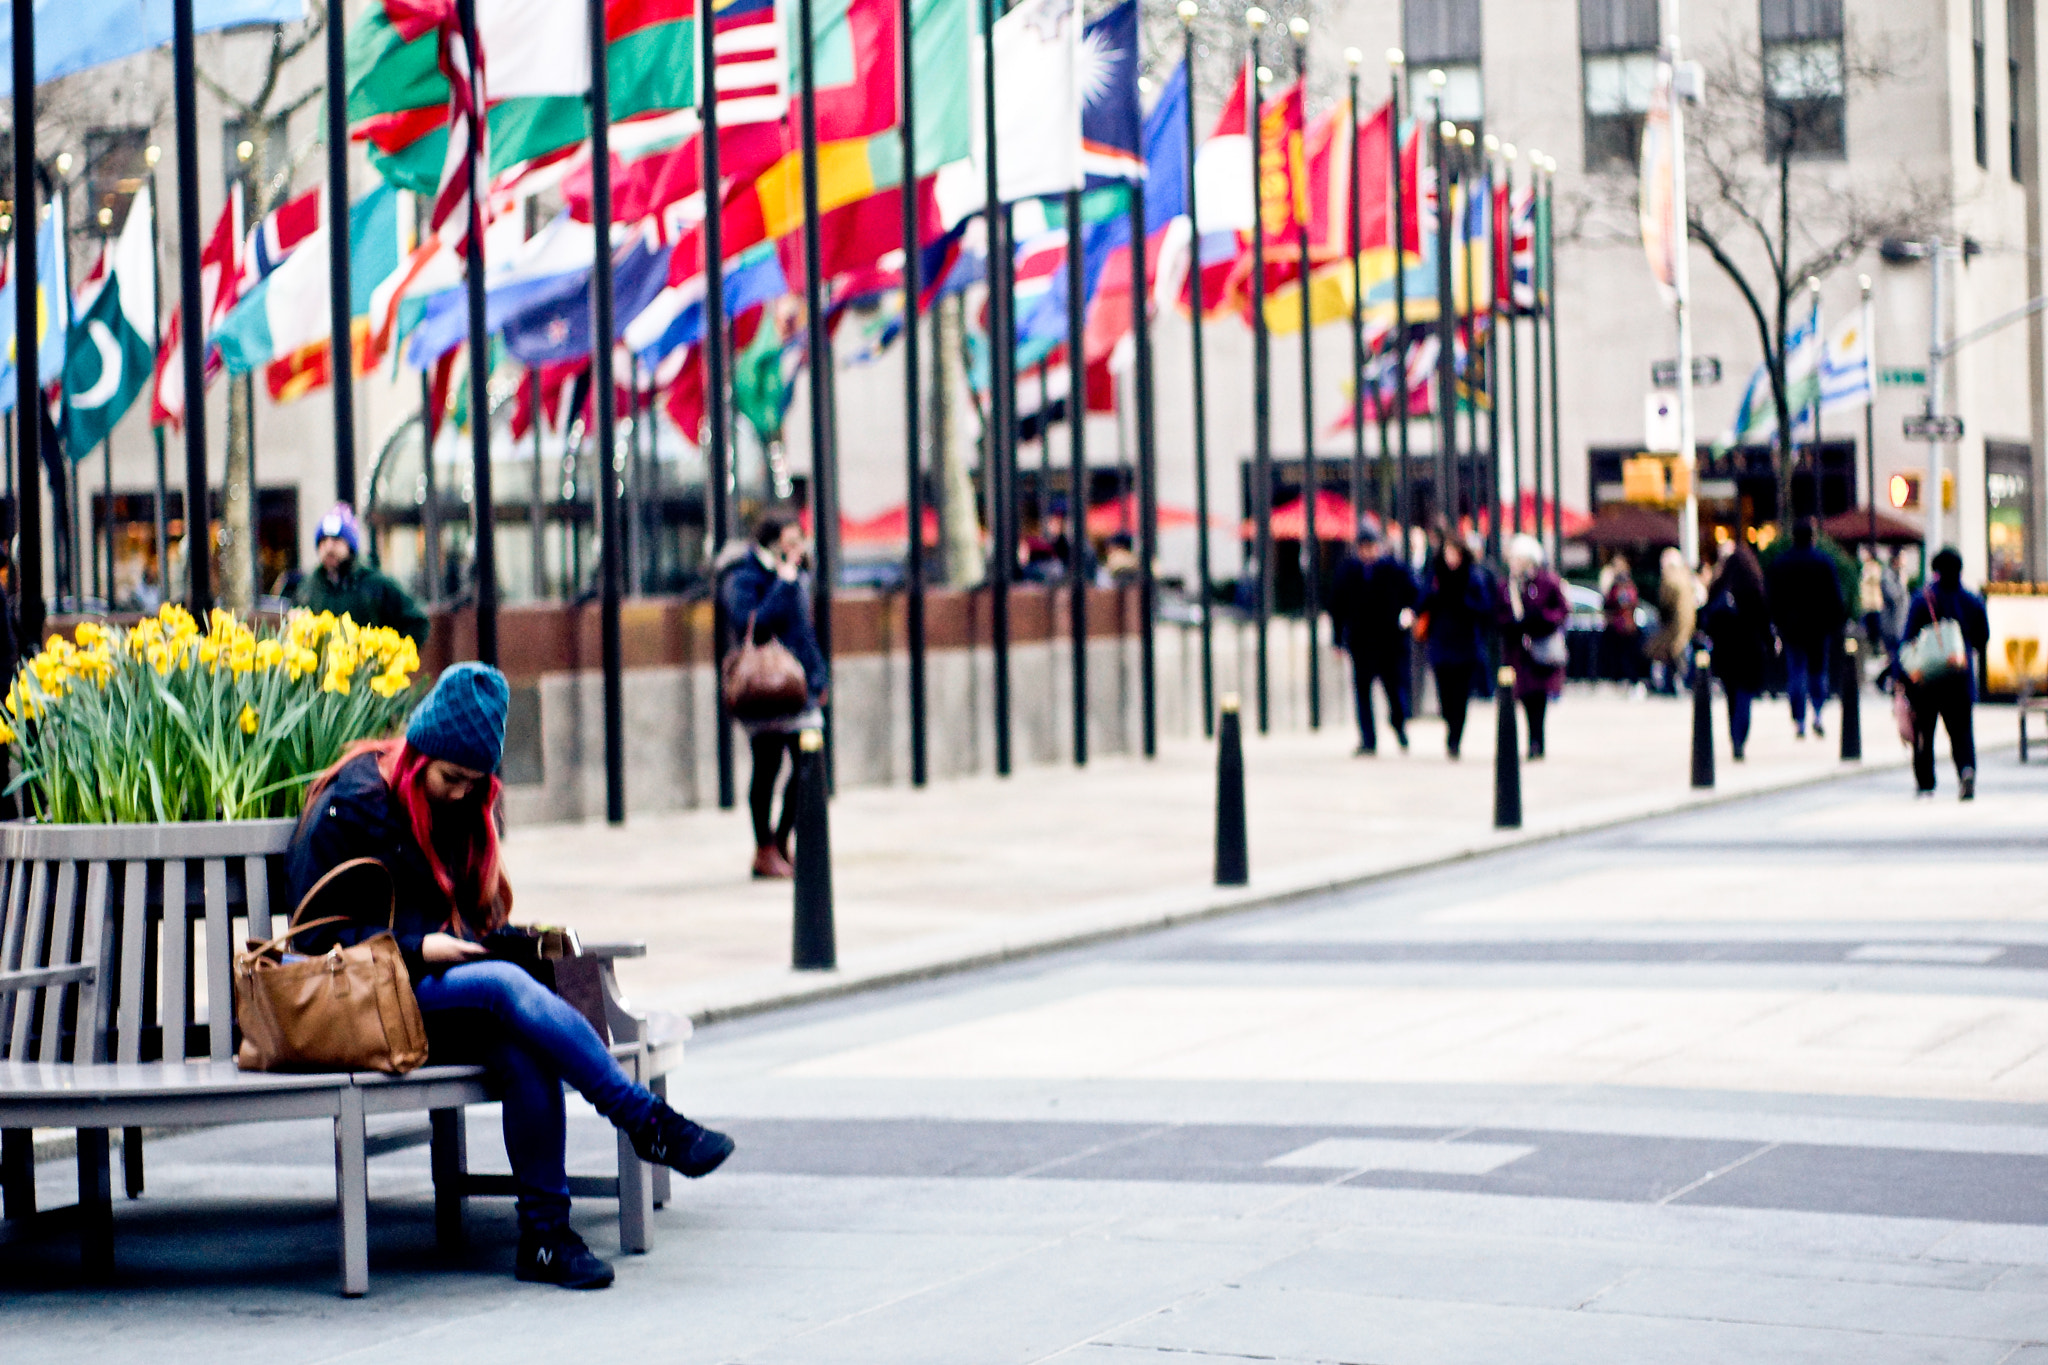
332,873
284,939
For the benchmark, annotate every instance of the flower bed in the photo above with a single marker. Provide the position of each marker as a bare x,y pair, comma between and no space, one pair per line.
162,723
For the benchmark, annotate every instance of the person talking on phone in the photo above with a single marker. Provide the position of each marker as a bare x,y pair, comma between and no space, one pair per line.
762,585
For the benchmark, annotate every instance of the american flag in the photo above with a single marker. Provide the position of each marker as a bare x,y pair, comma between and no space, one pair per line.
467,133
752,76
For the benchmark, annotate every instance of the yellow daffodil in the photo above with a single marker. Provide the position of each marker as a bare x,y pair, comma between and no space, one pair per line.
248,720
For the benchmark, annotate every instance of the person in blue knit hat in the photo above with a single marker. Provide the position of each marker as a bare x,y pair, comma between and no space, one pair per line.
346,586
428,805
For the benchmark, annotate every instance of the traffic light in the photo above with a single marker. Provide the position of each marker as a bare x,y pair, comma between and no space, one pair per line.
1904,491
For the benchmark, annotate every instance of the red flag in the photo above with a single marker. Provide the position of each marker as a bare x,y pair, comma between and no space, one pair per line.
1283,184
686,397
219,289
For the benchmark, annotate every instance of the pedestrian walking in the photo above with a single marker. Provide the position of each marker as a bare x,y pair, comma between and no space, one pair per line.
346,586
1457,609
1946,632
760,585
1738,621
1531,610
1807,609
428,806
1678,609
1372,607
1621,643
1897,601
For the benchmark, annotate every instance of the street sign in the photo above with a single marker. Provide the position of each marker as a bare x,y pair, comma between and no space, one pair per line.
1921,427
1706,369
1893,377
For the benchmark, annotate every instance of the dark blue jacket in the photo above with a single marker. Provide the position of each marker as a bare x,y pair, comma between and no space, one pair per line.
1951,602
357,817
1805,597
1366,602
779,611
1460,608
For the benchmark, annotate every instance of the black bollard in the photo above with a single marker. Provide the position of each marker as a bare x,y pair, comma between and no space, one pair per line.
1233,861
1507,757
814,949
1703,720
1852,703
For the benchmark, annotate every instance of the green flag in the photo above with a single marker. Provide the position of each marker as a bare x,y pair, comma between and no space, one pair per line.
106,366
759,390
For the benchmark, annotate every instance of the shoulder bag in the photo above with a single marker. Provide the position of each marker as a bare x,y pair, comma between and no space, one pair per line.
763,681
349,1009
1937,649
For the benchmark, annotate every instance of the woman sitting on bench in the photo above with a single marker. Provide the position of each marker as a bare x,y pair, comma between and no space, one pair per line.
427,806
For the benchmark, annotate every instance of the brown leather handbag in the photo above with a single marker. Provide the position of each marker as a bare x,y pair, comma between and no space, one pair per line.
763,681
349,1009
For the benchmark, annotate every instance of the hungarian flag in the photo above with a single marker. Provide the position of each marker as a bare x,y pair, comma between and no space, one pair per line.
284,322
536,53
107,365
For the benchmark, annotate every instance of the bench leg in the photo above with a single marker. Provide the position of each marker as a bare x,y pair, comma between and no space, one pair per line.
451,1166
636,1200
95,1203
352,1194
659,1085
17,1173
131,1161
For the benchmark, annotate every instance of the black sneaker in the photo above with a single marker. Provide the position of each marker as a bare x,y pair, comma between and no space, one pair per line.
559,1257
1969,783
668,1139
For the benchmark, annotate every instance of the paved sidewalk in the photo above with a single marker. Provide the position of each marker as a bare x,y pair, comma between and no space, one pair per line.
980,869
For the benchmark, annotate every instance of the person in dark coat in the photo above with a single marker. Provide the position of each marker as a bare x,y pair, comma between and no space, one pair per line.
1457,604
1948,696
762,582
428,807
1738,621
1807,608
343,584
1531,610
1372,606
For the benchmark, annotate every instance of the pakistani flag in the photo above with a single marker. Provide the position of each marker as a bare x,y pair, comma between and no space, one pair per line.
110,354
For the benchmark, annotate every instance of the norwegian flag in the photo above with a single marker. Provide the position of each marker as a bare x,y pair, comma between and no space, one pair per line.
280,232
220,288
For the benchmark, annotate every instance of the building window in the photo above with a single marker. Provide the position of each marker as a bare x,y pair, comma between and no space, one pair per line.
259,154
1444,35
117,165
1980,129
1804,88
2015,32
1618,54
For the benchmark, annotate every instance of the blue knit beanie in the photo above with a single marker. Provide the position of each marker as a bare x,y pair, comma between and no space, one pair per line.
462,721
340,524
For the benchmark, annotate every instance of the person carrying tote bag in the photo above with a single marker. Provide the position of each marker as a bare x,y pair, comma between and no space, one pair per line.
1946,631
428,807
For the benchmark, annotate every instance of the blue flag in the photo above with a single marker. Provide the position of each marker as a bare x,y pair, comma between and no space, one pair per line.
53,283
1112,120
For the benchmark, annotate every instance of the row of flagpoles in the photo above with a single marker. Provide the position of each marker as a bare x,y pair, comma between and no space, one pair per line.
792,186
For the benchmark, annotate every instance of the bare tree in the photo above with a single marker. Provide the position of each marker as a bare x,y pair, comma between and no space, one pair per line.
287,41
1768,209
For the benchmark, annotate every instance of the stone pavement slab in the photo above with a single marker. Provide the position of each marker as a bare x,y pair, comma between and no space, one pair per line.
980,869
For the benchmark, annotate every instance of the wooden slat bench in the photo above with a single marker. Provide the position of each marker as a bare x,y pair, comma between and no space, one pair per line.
109,938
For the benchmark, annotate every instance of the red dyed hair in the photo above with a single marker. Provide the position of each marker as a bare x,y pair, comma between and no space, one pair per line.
479,897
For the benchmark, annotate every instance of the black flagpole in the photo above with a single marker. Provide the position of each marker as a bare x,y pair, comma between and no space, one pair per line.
604,398
824,501
913,426
485,561
1491,369
192,339
717,454
1262,447
340,310
1536,348
998,452
1077,485
1550,306
28,513
1514,353
1351,58
1188,10
1399,237
1311,473
1446,332
1148,479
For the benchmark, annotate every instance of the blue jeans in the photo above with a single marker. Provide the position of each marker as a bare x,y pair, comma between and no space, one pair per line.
1738,717
1806,676
532,1040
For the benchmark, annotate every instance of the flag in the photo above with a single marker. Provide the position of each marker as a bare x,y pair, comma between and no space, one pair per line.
1223,173
106,369
278,235
1756,417
1039,99
287,312
405,60
1283,188
219,286
1656,202
1112,119
554,325
1522,251
1848,376
53,308
762,383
